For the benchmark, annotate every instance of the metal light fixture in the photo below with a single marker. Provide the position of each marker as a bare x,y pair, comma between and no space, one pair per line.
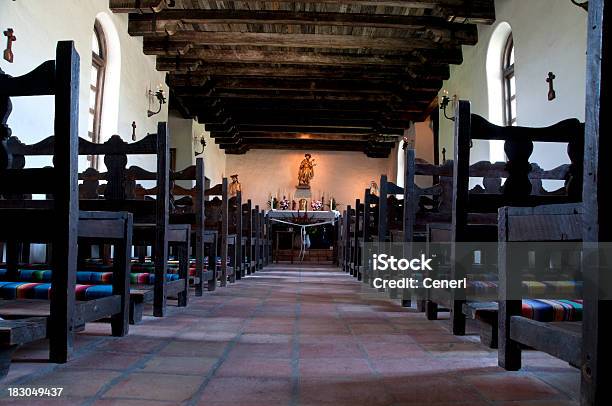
584,5
161,98
444,104
199,140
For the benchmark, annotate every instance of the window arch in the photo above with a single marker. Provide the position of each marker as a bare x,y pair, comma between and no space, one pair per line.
401,164
99,61
509,80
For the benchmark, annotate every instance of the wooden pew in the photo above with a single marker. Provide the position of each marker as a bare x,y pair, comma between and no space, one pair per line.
349,220
151,216
390,225
218,218
474,214
424,206
597,225
189,209
341,243
248,223
585,346
368,233
356,241
532,225
57,222
259,241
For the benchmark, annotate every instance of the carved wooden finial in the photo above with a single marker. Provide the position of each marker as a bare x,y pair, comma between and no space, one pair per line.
10,38
552,95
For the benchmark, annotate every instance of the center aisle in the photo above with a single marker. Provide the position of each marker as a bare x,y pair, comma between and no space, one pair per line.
292,335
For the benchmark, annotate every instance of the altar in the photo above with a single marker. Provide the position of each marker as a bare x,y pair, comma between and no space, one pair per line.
307,216
307,236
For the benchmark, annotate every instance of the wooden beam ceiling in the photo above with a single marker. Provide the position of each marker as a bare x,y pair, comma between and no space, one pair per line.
326,74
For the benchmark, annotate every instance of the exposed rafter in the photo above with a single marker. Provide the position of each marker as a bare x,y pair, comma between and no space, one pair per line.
323,74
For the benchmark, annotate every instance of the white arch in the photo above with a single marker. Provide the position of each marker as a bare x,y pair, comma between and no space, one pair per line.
110,107
401,164
495,84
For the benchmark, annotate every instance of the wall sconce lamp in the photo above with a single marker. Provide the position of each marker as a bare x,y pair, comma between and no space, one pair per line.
159,95
199,140
584,5
444,104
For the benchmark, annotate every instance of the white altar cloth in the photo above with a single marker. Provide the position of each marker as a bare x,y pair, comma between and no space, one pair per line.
314,216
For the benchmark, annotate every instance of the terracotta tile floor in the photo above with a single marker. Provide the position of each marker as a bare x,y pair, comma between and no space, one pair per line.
290,336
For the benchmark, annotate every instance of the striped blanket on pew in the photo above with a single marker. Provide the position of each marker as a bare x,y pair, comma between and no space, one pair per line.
552,310
32,290
530,288
86,277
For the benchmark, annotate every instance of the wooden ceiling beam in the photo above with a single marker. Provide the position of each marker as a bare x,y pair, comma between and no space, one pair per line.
299,129
316,105
183,41
206,58
139,6
475,11
399,97
365,147
171,21
425,89
291,96
317,121
203,74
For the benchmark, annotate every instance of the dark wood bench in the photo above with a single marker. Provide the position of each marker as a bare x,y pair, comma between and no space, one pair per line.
586,346
56,221
517,225
369,227
151,214
218,219
475,211
188,208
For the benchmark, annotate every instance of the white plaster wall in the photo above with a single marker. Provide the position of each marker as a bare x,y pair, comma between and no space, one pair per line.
183,132
38,27
345,175
549,35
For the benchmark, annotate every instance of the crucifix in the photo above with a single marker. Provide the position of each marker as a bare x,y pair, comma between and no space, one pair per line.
10,38
133,130
552,95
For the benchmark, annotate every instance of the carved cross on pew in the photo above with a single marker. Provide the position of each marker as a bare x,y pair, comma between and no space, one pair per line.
552,95
10,38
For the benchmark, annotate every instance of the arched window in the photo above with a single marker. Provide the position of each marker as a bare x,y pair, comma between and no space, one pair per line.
401,164
509,82
96,86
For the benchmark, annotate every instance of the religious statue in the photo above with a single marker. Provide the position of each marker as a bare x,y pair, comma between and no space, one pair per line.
306,172
373,188
235,186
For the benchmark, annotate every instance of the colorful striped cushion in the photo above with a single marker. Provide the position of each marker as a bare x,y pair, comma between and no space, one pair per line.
149,278
87,277
530,288
552,310
30,290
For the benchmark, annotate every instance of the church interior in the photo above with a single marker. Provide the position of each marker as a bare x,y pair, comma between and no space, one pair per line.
198,201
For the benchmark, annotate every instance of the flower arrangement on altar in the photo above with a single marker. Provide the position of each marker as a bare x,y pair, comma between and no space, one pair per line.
316,205
301,205
284,204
